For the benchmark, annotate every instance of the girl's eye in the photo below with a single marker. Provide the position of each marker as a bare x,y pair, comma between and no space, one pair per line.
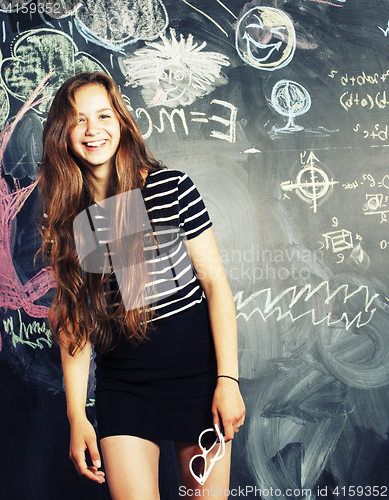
179,75
105,116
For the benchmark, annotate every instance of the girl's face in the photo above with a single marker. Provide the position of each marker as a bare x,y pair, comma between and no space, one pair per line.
95,138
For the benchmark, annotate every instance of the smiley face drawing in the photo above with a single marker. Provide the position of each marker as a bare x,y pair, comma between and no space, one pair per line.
265,38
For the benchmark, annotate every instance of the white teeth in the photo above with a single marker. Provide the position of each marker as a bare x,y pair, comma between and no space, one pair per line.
97,143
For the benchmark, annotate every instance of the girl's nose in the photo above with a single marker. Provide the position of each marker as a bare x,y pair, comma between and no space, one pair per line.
91,127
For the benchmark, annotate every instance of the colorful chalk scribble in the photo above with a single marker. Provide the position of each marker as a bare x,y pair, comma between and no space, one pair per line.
14,294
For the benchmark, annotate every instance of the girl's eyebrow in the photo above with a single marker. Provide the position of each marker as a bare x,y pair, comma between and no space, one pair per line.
98,111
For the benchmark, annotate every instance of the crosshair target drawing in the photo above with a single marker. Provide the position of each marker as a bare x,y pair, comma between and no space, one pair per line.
312,183
309,184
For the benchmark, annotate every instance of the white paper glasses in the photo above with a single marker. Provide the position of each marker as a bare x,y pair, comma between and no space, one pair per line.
201,460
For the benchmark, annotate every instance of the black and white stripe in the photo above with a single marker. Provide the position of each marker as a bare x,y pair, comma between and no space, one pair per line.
176,212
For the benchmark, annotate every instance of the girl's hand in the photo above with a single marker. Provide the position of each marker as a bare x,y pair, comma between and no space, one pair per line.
82,437
228,408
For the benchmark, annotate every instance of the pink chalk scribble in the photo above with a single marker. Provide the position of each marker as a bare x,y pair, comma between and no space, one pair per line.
13,294
329,3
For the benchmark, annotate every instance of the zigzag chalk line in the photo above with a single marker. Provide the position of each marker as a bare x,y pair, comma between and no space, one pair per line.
306,293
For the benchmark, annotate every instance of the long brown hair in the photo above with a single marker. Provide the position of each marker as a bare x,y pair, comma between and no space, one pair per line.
80,309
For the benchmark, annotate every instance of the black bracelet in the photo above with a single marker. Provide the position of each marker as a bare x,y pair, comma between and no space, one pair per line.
227,376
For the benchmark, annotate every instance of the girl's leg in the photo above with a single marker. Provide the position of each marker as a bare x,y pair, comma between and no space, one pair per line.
217,484
131,466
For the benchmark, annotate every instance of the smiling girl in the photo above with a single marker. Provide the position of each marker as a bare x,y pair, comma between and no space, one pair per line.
167,368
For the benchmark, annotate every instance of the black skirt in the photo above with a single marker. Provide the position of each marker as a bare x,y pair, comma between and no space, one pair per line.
162,388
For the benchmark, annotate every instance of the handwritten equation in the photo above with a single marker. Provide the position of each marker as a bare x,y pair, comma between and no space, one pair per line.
361,79
227,122
375,203
365,94
378,132
348,100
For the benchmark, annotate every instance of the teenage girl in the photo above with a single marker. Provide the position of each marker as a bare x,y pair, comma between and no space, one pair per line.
167,369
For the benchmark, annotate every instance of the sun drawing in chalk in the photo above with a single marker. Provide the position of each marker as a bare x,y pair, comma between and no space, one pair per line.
175,72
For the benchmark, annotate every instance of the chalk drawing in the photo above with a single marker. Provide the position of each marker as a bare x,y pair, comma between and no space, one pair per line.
59,9
282,304
299,404
285,454
227,133
368,177
360,361
229,122
265,38
339,240
350,185
330,3
362,79
119,23
208,17
365,178
374,205
178,112
312,183
227,9
24,149
384,244
359,257
386,30
357,358
290,99
298,415
385,182
368,102
35,335
175,72
14,294
375,201
376,133
4,106
38,52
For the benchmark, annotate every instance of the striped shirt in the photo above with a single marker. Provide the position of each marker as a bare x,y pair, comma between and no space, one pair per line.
172,211
172,199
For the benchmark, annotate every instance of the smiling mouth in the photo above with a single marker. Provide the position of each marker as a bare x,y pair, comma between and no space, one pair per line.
95,144
270,47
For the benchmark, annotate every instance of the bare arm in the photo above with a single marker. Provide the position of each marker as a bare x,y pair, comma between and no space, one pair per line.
82,434
227,403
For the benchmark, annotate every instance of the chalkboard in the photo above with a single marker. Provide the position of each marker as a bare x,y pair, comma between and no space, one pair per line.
278,110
